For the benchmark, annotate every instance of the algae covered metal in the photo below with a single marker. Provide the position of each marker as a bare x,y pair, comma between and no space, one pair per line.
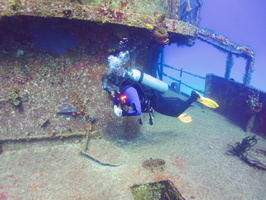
162,190
91,31
164,18
132,13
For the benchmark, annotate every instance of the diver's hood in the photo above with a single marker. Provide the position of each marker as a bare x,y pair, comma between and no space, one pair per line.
110,82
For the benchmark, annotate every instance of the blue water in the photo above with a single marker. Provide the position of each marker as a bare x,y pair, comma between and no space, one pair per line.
38,72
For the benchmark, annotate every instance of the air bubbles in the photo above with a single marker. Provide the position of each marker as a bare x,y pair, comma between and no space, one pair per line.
116,62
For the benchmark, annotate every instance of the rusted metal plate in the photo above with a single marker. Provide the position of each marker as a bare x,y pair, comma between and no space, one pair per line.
103,13
247,109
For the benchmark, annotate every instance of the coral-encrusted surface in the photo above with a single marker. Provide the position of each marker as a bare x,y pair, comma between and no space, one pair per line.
44,94
34,83
129,13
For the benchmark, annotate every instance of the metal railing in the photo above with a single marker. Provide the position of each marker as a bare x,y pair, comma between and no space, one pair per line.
179,82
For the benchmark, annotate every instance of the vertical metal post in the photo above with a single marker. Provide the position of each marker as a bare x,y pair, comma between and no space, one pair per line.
179,87
229,65
248,71
180,82
161,64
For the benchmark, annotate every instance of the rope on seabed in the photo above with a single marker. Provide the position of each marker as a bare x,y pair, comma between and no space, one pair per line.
243,151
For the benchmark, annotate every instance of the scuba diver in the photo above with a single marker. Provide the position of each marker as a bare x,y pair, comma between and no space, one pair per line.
135,93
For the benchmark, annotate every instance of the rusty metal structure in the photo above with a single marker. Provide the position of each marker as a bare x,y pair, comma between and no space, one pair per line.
150,24
170,17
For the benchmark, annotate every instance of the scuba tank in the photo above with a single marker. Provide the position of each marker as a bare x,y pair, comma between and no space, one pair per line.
148,80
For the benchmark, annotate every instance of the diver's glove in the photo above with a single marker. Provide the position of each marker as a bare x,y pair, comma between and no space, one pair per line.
117,111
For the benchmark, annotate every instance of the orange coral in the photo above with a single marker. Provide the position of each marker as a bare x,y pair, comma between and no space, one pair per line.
81,107
160,30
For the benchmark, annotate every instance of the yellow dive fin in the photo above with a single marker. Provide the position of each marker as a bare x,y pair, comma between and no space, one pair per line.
207,102
184,118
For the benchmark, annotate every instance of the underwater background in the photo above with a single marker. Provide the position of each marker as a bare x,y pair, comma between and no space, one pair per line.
243,23
59,135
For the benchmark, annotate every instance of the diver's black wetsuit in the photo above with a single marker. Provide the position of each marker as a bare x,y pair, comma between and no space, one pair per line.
149,97
169,106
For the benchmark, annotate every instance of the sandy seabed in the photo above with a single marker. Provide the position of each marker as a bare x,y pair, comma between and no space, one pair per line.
195,156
